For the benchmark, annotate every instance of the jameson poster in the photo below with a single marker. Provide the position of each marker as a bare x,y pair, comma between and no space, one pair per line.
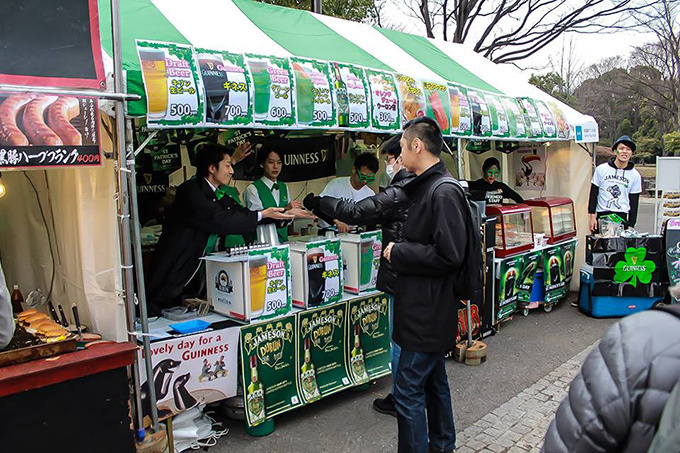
547,120
191,370
384,101
313,94
461,116
553,274
499,119
226,88
438,104
516,125
481,120
321,343
351,95
509,274
269,375
273,100
170,75
531,118
411,97
530,263
368,349
529,168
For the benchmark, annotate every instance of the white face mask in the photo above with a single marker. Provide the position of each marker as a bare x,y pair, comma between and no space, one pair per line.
390,170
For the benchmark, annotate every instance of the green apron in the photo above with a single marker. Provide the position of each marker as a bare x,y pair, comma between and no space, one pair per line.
230,240
268,201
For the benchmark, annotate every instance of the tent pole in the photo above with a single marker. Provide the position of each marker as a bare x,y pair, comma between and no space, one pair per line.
139,274
459,151
124,215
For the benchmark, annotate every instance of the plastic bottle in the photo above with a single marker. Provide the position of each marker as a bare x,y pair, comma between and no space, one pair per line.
17,299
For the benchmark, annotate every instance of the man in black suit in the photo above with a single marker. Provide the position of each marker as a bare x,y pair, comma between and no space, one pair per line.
198,212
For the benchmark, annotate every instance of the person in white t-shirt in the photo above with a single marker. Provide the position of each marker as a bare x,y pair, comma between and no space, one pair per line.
353,188
616,186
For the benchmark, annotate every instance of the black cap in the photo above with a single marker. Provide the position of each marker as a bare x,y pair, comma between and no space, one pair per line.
626,140
490,162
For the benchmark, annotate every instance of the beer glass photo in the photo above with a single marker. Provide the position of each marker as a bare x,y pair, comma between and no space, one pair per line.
216,95
155,81
258,284
262,81
455,108
304,88
315,270
554,270
510,278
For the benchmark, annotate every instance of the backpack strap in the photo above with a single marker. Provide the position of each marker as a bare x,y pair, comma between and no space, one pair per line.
439,182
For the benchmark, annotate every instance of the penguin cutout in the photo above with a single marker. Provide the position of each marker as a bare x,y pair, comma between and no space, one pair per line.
162,376
183,399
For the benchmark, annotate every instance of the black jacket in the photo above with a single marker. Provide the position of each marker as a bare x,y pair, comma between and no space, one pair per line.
388,208
615,402
426,263
492,193
195,215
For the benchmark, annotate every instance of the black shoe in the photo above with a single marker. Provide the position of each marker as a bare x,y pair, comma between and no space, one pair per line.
385,405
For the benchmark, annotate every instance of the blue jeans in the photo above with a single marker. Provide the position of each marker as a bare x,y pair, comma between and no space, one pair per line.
396,349
421,383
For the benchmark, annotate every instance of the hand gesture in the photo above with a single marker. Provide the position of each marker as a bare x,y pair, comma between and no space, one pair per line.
242,151
342,226
294,204
276,214
387,253
301,213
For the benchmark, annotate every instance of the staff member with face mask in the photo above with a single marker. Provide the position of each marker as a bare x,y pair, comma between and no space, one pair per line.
489,188
616,186
268,191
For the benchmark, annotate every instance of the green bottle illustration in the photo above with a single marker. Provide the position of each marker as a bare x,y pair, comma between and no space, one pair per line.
357,359
310,389
342,98
255,395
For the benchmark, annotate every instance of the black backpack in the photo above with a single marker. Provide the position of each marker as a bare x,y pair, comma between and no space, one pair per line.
470,277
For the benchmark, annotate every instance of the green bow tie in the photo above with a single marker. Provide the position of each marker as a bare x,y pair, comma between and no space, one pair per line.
275,186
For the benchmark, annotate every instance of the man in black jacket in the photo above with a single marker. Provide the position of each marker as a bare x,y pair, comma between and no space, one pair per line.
389,209
196,214
426,263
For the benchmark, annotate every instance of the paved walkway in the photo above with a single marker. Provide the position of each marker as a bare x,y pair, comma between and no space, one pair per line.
519,425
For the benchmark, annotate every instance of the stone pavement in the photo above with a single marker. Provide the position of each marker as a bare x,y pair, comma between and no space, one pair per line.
519,425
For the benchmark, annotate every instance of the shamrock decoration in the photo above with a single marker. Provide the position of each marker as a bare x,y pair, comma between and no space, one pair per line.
634,267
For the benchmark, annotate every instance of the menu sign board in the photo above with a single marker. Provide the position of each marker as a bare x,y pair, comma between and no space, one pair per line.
499,119
45,130
384,100
411,98
226,87
481,120
461,115
314,96
531,118
517,127
547,120
170,82
273,103
351,96
438,104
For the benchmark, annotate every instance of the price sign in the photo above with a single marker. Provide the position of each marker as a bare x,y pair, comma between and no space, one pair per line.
531,117
499,119
411,98
481,120
438,104
351,96
226,87
461,115
384,100
171,84
517,127
313,93
547,120
273,103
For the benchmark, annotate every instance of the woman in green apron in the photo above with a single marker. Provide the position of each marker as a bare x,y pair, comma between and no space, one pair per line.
268,191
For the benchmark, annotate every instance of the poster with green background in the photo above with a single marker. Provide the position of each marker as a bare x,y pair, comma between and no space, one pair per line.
384,100
273,94
530,264
509,274
313,93
369,336
553,274
438,104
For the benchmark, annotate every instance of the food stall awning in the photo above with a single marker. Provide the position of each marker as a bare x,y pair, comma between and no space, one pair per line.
245,26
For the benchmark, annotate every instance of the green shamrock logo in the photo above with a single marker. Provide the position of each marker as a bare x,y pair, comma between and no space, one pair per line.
634,267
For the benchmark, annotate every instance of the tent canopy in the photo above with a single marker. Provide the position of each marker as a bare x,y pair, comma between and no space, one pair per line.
245,26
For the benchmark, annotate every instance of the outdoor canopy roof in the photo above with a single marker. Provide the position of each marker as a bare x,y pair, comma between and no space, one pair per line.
245,26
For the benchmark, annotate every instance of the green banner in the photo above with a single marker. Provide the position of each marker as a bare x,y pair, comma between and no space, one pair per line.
517,127
268,369
270,281
351,95
553,274
499,118
438,104
273,103
461,116
531,118
547,120
411,98
313,94
321,347
568,254
368,348
384,100
510,271
530,264
481,120
226,87
171,84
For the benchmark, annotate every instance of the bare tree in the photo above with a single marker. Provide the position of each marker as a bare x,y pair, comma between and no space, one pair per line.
507,31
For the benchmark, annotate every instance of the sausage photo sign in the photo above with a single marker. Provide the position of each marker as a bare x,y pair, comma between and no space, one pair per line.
40,130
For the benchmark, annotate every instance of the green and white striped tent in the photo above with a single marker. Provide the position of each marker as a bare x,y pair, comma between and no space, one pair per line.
245,26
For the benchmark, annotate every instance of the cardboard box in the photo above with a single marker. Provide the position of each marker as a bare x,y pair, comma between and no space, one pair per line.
361,254
317,271
253,285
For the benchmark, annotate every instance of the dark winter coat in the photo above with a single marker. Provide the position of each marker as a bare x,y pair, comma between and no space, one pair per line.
615,402
194,216
388,208
427,264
